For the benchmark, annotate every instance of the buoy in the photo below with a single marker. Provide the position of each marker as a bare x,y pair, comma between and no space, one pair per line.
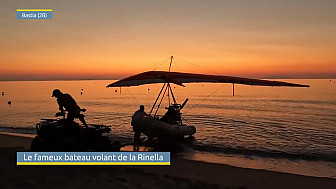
9,102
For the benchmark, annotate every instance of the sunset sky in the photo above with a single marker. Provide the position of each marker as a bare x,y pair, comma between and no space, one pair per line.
112,39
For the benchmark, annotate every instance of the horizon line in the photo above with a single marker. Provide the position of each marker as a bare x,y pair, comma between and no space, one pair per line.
95,79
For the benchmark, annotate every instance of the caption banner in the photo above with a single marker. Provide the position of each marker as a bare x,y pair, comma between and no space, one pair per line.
93,158
34,13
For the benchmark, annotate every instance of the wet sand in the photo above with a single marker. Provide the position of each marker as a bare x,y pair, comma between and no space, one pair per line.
181,174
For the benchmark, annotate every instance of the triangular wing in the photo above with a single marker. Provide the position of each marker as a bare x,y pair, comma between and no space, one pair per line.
179,78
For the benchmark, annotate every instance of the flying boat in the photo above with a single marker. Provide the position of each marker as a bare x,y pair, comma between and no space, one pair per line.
171,123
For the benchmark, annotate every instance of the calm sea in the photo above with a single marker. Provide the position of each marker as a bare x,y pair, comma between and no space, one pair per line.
276,128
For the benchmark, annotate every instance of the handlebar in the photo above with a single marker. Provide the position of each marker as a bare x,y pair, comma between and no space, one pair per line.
59,114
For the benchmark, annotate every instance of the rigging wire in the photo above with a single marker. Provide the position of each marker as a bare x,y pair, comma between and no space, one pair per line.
186,121
176,89
132,96
159,65
158,107
161,62
197,65
204,99
165,61
175,65
205,69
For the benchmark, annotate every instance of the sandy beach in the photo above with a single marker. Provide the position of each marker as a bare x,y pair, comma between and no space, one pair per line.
181,174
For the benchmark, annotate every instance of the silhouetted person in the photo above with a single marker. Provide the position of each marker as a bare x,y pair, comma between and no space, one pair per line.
9,102
65,101
137,129
3,93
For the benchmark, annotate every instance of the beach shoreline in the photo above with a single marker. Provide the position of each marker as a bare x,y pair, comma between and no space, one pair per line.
182,173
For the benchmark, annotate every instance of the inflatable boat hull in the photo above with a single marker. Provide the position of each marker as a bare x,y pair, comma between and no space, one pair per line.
155,128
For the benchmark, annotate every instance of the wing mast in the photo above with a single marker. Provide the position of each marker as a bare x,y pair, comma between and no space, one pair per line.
166,88
178,78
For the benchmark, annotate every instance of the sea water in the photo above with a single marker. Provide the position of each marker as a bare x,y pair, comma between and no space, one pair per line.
276,128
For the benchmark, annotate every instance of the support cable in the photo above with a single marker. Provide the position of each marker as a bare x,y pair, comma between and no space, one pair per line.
132,96
204,99
197,65
160,63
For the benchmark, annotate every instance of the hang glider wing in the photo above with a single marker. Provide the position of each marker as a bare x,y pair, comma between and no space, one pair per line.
179,78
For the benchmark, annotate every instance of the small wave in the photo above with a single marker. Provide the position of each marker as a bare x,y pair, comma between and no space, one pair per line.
210,148
266,154
21,130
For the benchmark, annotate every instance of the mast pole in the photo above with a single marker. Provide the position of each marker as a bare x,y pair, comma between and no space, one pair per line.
172,95
161,101
157,98
233,92
168,86
171,61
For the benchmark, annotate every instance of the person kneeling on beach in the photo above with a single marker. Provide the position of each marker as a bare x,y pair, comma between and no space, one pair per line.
137,130
65,101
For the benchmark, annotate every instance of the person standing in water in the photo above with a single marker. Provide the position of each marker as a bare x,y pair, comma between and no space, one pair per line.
65,101
136,128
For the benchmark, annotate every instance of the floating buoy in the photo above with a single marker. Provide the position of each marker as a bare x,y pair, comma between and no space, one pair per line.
9,102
